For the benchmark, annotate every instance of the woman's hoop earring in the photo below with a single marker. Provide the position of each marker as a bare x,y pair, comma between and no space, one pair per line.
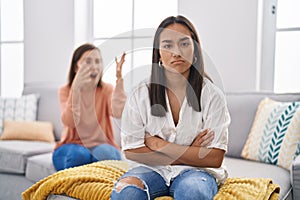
195,60
160,64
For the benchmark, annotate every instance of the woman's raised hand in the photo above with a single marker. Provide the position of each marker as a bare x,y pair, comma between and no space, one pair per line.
119,65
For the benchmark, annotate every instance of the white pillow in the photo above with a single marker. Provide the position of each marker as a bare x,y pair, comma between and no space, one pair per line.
23,108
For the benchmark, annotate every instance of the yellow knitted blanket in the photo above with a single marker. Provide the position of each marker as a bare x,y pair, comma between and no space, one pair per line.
248,189
245,189
91,182
95,181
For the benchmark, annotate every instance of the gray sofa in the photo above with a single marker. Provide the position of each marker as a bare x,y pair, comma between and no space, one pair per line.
26,162
35,158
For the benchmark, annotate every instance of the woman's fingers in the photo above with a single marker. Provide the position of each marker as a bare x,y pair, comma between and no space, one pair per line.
202,134
119,65
83,78
199,138
207,139
122,60
204,138
84,71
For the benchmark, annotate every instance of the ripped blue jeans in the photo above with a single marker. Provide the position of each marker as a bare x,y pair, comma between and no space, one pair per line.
188,185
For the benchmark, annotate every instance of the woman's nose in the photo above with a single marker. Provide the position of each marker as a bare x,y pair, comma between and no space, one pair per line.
176,51
94,66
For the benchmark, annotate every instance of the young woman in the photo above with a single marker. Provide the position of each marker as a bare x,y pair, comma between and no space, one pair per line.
86,104
168,120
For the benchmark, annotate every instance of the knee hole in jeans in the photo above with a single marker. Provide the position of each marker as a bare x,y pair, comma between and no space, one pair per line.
130,180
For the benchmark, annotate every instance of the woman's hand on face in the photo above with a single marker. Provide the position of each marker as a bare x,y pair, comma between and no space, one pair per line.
83,79
204,138
119,65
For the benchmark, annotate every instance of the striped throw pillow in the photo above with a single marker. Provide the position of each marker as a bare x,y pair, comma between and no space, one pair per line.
275,133
23,108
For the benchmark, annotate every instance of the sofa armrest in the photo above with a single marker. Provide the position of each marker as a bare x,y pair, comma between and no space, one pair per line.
295,177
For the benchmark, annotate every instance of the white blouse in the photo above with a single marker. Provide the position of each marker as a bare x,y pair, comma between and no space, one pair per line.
137,119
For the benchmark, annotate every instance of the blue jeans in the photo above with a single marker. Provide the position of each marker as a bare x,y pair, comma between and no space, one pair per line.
188,185
72,155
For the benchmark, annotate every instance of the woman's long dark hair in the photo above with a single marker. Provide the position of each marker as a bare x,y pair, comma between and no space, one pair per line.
158,79
76,57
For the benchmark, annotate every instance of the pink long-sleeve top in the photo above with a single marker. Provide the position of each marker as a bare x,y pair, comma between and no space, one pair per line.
89,125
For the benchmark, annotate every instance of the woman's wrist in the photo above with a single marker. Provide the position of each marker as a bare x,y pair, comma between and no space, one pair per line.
158,144
119,81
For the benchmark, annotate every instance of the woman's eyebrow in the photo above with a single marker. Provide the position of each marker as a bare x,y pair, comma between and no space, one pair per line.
167,41
180,40
184,38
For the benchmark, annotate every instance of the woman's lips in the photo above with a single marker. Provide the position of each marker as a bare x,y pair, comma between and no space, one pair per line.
93,75
177,62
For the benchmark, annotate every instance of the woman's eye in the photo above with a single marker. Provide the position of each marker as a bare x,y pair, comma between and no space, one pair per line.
97,61
88,62
185,44
167,46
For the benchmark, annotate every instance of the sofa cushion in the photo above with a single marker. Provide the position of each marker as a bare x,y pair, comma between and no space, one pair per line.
12,186
23,108
237,167
14,154
242,107
39,167
275,133
25,130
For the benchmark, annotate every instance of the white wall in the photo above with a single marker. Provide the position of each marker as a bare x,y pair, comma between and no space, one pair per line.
49,40
228,31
